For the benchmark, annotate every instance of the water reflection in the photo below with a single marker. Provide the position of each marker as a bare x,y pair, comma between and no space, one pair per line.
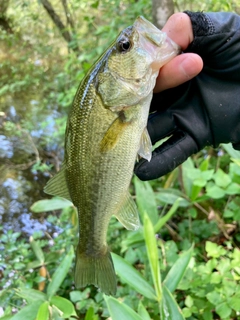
21,182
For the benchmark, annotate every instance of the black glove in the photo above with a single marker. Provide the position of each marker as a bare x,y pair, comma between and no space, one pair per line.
205,110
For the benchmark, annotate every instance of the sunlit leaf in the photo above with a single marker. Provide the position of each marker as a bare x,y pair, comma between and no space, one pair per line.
64,305
177,271
132,277
50,205
152,252
60,274
43,311
120,311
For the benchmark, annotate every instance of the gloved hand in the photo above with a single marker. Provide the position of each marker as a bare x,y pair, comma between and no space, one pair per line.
204,110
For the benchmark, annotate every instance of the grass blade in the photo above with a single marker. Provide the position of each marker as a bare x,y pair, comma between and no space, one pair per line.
143,312
152,252
177,271
170,308
60,274
28,312
161,222
132,277
145,199
120,311
37,250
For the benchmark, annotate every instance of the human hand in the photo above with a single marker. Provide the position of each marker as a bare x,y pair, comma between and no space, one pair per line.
199,108
185,66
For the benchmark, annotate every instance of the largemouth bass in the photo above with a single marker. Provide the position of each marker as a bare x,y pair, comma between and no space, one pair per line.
105,132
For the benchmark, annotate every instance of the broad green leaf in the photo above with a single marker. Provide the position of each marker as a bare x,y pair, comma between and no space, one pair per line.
233,302
90,314
213,250
29,312
214,297
187,181
132,277
50,205
37,250
60,274
152,252
214,191
120,311
143,312
8,317
64,305
170,308
34,264
169,196
31,295
233,188
146,201
221,178
161,222
177,271
43,311
223,310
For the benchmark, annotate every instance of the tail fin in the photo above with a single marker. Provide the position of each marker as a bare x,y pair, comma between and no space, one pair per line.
98,270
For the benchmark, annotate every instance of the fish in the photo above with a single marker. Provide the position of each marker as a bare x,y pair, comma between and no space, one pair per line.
105,133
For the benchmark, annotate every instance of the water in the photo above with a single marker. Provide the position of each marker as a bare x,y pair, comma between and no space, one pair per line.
28,141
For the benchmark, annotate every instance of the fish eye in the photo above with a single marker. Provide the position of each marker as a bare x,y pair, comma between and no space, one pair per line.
124,45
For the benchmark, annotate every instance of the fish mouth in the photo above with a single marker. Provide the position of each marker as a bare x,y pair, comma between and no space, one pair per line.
156,43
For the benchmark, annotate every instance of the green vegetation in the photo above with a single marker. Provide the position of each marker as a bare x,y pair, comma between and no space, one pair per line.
184,263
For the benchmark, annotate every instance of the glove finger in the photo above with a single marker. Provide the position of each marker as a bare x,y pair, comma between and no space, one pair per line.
167,157
160,125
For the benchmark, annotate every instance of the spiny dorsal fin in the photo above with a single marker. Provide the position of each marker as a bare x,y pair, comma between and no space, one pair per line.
128,214
57,185
145,150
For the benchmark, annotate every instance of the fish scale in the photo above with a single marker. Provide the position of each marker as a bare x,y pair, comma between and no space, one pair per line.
106,130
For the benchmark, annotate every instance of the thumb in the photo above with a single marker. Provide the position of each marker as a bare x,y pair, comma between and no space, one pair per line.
177,71
167,157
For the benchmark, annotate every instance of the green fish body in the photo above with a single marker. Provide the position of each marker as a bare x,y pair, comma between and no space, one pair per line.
106,130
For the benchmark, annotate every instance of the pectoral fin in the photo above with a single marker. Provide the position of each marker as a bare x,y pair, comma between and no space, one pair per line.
112,135
145,150
57,185
128,214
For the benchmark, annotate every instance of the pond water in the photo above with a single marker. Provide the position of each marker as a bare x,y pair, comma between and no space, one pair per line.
23,152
